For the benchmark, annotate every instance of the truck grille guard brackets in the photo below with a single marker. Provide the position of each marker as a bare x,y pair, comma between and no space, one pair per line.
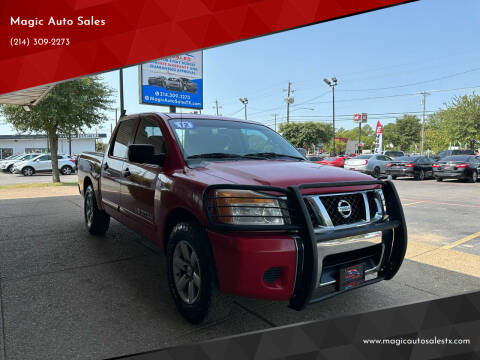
394,231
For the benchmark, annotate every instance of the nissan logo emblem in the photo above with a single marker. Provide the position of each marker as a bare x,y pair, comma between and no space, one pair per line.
344,208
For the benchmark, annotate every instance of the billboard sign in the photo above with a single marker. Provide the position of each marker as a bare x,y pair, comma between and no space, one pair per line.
173,81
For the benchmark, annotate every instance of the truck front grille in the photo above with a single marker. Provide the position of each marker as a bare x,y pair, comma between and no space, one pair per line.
348,209
354,202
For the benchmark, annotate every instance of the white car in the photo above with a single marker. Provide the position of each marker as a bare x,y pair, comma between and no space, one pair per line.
371,164
43,163
9,163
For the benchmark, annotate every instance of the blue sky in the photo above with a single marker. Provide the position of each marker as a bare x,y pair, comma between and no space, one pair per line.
429,45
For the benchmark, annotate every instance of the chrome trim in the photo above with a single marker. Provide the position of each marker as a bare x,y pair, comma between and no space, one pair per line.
367,206
321,211
336,246
323,217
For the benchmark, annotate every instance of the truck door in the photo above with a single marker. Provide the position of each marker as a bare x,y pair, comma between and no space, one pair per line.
138,185
113,163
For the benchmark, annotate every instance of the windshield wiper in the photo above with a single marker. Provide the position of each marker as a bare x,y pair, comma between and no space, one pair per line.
215,155
270,155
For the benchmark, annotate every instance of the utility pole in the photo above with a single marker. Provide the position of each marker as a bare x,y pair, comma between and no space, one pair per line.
422,133
217,107
275,117
289,100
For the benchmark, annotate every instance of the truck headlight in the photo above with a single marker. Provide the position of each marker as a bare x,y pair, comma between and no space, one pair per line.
245,207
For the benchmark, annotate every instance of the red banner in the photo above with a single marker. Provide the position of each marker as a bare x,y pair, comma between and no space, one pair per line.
47,41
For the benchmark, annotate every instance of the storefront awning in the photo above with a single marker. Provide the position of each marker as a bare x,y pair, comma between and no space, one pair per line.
26,97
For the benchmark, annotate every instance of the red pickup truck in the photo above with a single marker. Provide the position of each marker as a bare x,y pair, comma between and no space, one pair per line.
239,211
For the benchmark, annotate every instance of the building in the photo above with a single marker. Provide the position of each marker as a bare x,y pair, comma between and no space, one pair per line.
19,144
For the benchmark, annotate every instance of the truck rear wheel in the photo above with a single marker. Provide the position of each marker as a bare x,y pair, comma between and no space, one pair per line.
96,220
191,275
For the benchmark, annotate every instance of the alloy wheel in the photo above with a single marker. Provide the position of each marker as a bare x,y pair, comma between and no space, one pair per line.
186,272
89,209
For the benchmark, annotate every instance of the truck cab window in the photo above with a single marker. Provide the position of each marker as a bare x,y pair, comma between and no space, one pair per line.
120,145
149,133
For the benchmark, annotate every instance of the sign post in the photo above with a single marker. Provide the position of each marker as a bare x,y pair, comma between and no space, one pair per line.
175,81
360,118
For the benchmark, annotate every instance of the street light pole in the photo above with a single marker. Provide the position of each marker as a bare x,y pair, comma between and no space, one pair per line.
332,84
244,101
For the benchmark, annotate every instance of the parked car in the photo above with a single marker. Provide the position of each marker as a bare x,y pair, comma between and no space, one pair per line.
174,84
189,85
313,158
157,81
417,166
43,163
337,161
446,153
240,216
394,154
8,165
463,167
372,164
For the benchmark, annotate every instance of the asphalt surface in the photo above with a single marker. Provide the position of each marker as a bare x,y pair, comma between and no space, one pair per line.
68,295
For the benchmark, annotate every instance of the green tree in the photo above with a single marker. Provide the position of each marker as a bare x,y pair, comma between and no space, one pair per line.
407,131
305,134
461,120
390,135
67,109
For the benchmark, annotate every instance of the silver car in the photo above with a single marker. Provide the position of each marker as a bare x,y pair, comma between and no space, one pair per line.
9,163
43,163
371,164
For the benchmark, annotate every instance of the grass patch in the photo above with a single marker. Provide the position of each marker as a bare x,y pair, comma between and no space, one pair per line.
37,185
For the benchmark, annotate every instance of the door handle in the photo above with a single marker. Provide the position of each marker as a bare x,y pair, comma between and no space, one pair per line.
105,166
126,173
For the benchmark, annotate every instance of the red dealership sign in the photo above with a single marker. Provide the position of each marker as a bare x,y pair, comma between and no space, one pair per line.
47,41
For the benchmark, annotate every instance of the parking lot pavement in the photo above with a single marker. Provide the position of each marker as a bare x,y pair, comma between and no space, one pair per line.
12,179
66,294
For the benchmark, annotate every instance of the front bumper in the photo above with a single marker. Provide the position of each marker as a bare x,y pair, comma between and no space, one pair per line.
307,261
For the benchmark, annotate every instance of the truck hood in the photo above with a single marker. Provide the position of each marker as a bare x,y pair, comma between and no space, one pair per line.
278,173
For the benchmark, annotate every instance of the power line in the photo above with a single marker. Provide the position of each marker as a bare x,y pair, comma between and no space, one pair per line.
416,83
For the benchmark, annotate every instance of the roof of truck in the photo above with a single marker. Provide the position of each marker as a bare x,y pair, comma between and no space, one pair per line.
168,116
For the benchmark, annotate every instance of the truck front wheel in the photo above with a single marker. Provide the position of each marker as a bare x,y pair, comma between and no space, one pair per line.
191,275
96,221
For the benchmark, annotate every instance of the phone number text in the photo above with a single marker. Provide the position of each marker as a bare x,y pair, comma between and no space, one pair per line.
25,42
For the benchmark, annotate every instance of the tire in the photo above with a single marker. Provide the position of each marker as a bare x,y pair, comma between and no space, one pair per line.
28,171
420,176
189,257
394,177
96,220
439,179
376,172
474,177
66,170
9,169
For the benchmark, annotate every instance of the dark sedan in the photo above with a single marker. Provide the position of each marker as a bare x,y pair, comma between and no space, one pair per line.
157,81
189,85
462,167
416,166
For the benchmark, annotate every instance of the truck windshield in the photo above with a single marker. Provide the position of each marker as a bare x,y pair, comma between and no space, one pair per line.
216,140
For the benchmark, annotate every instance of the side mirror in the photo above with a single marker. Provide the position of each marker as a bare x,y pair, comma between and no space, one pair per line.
38,160
144,154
